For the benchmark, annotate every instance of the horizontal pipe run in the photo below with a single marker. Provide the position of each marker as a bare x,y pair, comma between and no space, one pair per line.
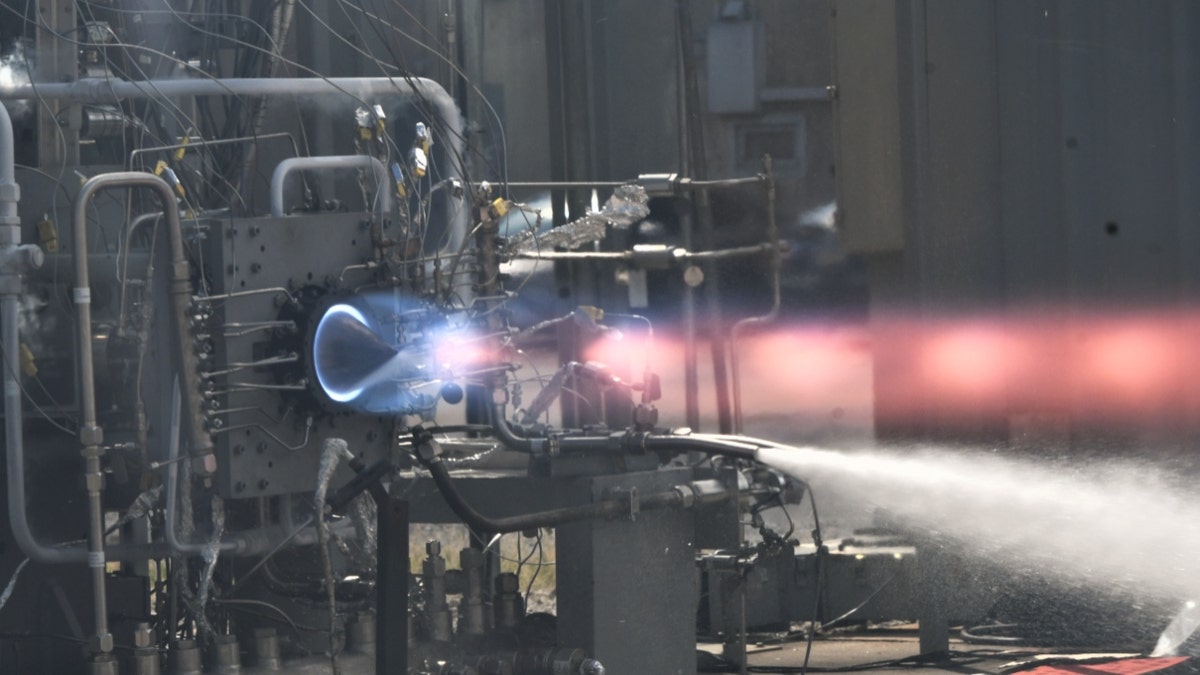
430,96
681,497
654,258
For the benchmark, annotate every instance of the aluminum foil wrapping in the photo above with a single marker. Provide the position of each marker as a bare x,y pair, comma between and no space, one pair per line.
627,205
546,397
211,553
361,543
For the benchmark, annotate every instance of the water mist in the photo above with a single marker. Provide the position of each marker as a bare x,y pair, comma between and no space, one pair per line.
1123,527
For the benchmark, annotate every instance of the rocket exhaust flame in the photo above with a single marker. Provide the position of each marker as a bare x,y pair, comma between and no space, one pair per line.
347,354
380,353
1102,368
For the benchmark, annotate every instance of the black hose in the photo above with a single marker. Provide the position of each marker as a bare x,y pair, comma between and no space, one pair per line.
528,521
505,435
643,442
553,517
603,509
706,445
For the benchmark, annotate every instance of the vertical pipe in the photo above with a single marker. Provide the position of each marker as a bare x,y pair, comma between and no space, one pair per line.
689,165
691,374
201,447
90,433
10,230
776,296
716,326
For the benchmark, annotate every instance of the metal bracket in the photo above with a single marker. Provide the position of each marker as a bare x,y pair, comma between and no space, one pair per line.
629,496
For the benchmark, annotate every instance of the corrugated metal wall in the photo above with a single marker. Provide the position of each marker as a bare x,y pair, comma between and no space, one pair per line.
997,155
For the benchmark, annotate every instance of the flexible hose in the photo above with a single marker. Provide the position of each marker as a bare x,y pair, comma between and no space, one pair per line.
680,497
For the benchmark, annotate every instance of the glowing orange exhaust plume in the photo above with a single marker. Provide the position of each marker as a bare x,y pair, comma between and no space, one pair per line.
1120,369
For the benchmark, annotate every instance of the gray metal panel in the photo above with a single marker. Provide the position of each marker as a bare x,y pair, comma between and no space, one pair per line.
1029,187
867,108
1060,134
960,235
1048,157
1185,73
626,590
262,253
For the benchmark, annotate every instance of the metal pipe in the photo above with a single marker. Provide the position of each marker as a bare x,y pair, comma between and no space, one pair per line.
682,496
106,90
383,196
16,257
15,462
10,289
508,438
773,313
674,255
679,184
715,322
202,143
557,185
204,462
10,192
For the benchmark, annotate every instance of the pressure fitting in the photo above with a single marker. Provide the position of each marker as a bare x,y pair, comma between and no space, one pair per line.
428,450
204,464
21,258
15,259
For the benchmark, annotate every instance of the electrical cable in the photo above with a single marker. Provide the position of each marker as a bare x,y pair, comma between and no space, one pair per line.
436,53
538,569
32,402
180,117
239,603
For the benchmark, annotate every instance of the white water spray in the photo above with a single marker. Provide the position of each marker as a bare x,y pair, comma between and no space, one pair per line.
1114,525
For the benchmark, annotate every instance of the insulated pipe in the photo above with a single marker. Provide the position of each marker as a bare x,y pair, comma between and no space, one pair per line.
383,196
104,90
177,546
248,543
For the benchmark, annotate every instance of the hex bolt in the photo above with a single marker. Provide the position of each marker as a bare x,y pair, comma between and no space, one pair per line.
255,268
261,447
239,449
239,486
263,483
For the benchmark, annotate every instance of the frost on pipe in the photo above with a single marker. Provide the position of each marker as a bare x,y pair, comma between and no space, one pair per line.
380,354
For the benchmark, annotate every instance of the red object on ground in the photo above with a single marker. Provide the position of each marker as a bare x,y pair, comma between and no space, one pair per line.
1121,667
